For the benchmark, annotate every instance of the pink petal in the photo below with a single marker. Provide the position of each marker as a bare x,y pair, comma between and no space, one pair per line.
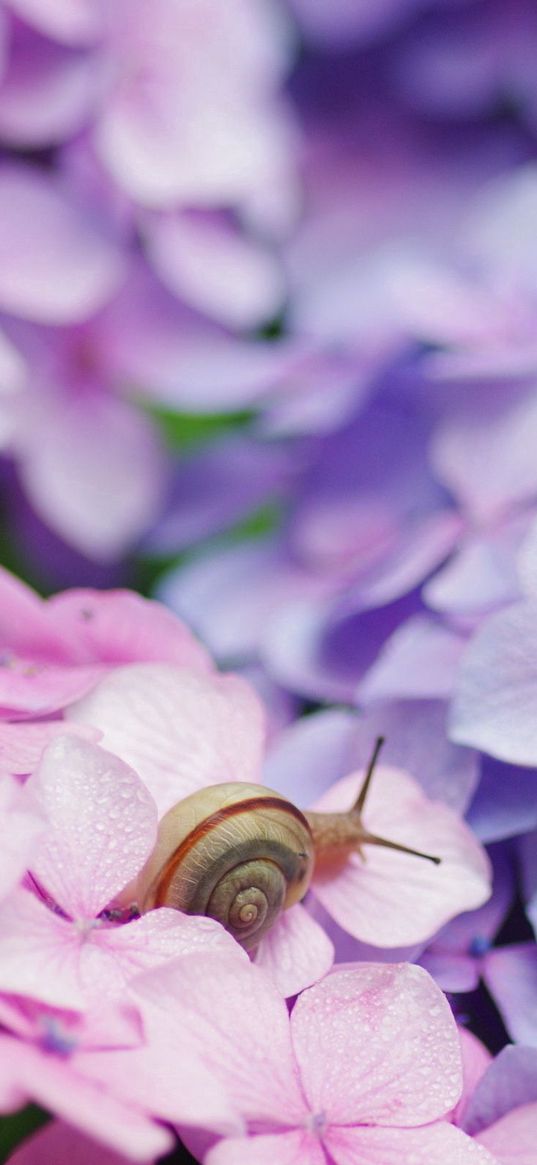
494,704
438,1144
102,825
22,744
93,470
181,730
225,1007
21,824
476,1058
207,261
121,626
294,1148
41,953
107,958
391,899
296,952
512,1139
63,1145
161,935
57,1086
56,265
24,621
31,688
377,1044
167,1078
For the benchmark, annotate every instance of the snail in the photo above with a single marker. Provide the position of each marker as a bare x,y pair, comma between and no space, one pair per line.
242,853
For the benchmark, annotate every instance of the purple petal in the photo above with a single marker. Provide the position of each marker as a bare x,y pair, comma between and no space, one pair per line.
510,974
510,1081
47,92
73,22
495,698
57,263
316,751
205,259
93,469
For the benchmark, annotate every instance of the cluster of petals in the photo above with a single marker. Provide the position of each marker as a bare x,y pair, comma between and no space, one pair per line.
368,1061
112,712
166,149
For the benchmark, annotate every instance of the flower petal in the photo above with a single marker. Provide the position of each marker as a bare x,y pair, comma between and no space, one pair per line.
293,1148
225,1007
93,469
377,1044
438,1144
40,953
206,260
63,1145
59,1087
181,730
295,952
119,626
393,899
20,827
494,704
69,21
102,825
510,974
512,1139
49,241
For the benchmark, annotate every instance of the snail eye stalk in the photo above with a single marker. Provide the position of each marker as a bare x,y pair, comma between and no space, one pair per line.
357,808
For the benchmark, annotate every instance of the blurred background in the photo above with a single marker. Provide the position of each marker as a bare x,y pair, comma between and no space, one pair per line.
268,352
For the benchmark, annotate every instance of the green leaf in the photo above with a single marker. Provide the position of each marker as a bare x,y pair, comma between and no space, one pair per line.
14,1129
187,431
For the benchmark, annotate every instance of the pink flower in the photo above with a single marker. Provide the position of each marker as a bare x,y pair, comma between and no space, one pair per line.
65,950
180,729
392,899
367,1067
63,1145
54,650
21,825
146,713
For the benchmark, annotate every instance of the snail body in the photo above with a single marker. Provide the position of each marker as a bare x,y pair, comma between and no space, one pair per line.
241,853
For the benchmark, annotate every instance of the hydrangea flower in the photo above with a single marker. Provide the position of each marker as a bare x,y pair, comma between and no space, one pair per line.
145,714
101,827
369,1063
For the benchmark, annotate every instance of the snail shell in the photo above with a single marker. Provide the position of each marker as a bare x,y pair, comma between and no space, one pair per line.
238,853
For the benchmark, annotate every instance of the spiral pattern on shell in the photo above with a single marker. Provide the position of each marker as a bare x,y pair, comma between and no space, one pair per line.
242,864
248,899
